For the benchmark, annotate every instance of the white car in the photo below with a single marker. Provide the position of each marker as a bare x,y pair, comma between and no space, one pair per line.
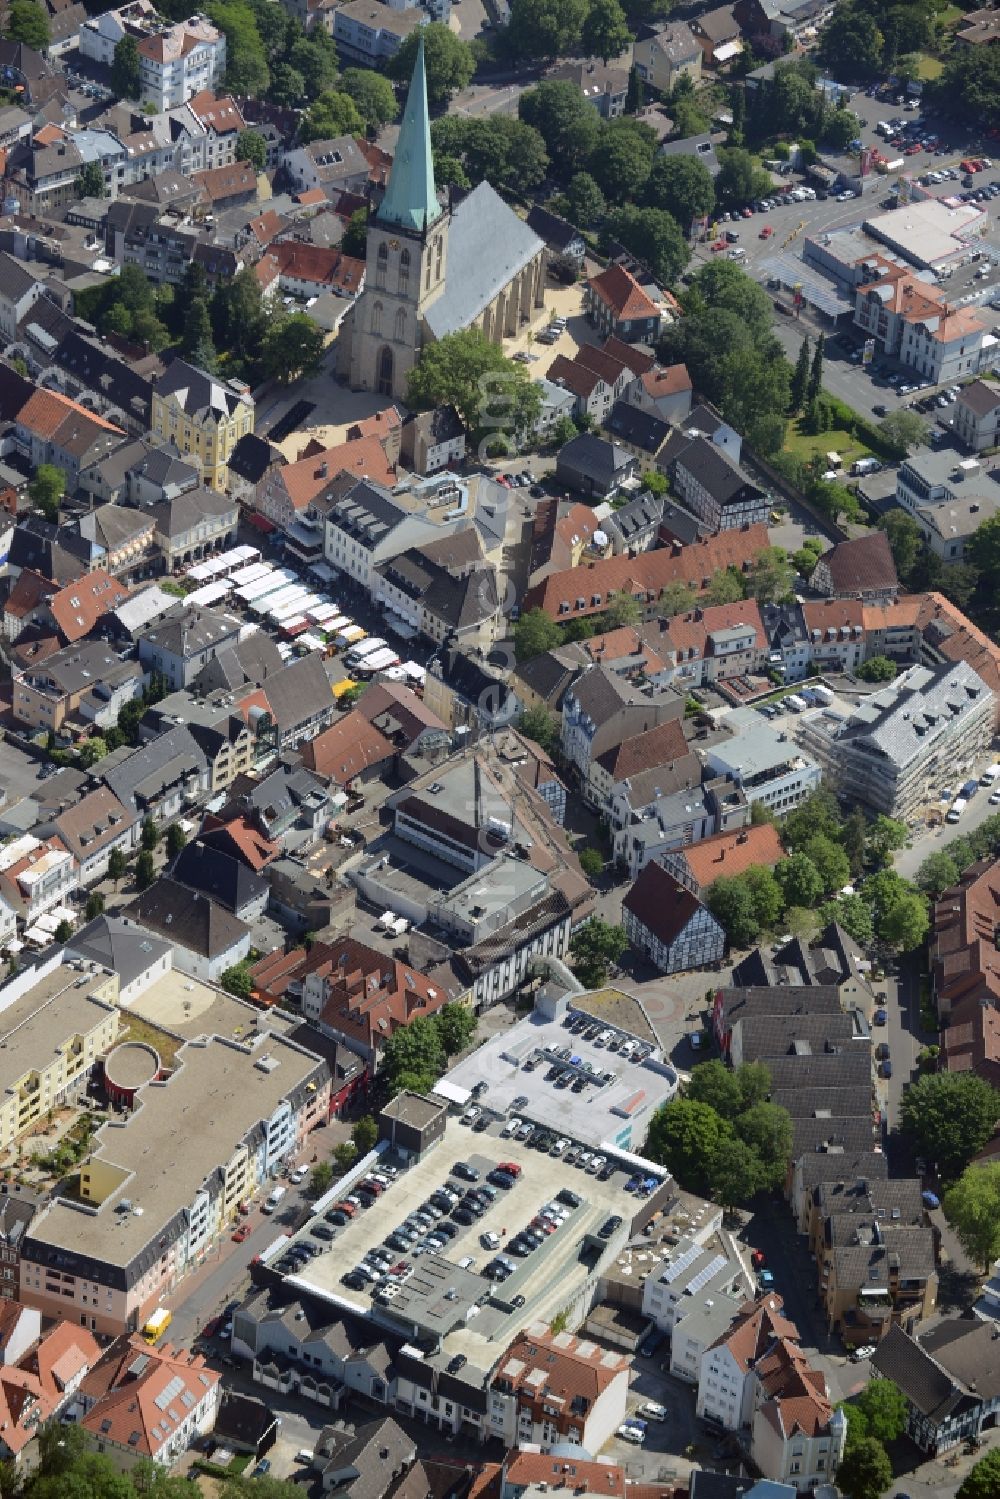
471,1114
630,1434
653,1412
511,1127
995,799
563,1143
298,1176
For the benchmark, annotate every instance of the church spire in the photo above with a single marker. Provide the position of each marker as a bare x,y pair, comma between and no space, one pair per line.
411,198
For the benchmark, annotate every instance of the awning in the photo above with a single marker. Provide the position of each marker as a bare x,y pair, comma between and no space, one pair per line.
261,522
726,51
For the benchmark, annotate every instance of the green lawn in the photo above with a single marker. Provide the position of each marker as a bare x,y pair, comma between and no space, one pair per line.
930,67
835,441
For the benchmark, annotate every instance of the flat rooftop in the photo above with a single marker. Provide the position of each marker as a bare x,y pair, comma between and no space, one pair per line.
189,1008
457,1305
927,233
216,1096
37,1020
614,1114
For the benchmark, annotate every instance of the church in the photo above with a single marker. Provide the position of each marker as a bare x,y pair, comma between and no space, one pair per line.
434,269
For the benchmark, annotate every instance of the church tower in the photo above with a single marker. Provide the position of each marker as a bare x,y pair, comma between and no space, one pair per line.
406,257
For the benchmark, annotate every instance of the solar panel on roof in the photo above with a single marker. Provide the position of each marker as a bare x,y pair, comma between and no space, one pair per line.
677,1268
704,1276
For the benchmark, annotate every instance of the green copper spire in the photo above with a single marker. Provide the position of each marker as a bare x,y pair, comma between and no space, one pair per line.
411,198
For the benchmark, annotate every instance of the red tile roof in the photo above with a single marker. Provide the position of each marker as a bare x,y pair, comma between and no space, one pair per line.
666,382
661,903
661,745
862,565
44,412
733,853
348,748
573,1368
620,291
77,607
237,180
129,1388
219,114
648,574
319,265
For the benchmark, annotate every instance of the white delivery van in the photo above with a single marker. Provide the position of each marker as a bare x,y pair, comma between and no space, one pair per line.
273,1199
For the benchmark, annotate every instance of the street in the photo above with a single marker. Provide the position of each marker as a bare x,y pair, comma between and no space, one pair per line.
927,841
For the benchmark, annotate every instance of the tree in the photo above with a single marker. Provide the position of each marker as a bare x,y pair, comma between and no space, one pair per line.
622,609
949,1117
456,1026
496,147
715,1084
94,906
355,237
884,1407
983,550
196,339
345,1155
373,94
972,1207
771,575
567,123
47,489
287,88
546,29
766,895
116,865
983,1482
413,1057
800,379
905,538
90,183
176,839
238,980
689,1137
320,1179
853,913
540,726
585,203
652,236
725,586
63,931
596,945
903,430
830,862
904,925
145,870
676,598
534,634
331,115
592,863
767,1129
681,186
150,833
877,669
800,880
246,56
27,23
815,385
125,69
885,836
620,164
364,1133
865,1471
292,348
938,873
252,147
736,1174
605,31
450,62
731,902
850,42
738,181
467,371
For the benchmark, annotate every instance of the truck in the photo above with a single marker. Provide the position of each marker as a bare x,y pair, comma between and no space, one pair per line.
989,776
157,1324
796,703
823,694
956,809
969,789
273,1199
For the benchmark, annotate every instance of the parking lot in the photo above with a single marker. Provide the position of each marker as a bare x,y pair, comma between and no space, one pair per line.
446,1289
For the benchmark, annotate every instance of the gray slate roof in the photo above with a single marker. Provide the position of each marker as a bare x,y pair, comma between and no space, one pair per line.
487,245
115,944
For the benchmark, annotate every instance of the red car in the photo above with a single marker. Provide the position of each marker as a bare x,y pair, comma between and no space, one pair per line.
747,213
243,1232
211,1327
766,232
720,244
757,1259
912,151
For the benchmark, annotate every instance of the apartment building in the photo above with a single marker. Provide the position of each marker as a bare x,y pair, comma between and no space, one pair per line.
725,1381
146,1404
181,644
602,709
913,322
977,416
361,997
36,875
765,763
57,1019
148,1213
665,920
180,61
905,740
368,525
203,416
553,1387
965,960
665,52
91,829
874,1273
715,490
75,689
50,428
368,32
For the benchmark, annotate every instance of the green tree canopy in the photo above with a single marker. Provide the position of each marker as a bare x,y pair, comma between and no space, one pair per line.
450,62
238,980
689,1137
972,1207
373,94
332,114
252,147
125,69
605,32
676,598
535,633
293,347
681,186
355,238
456,1026
865,1471
621,161
541,726
567,123
854,914
145,870
652,236
546,29
903,430
715,1084
457,369
47,489
364,1133
877,669
800,880
850,43
904,539
28,23
771,575
414,1057
938,873
585,204
970,81
983,1481
949,1117
830,862
884,1407
725,586
595,946
739,182
246,58
495,148
767,1130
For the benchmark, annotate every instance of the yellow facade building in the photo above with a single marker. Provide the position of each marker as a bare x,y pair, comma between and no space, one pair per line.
203,416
